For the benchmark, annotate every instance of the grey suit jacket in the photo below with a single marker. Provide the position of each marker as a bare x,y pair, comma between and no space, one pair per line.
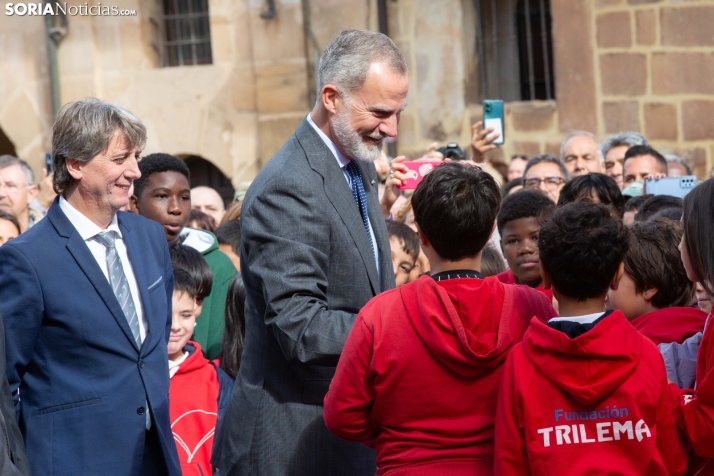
308,269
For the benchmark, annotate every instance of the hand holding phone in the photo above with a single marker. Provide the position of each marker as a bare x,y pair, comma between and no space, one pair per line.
493,119
416,171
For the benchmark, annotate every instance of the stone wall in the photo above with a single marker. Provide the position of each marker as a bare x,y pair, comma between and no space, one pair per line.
643,65
655,61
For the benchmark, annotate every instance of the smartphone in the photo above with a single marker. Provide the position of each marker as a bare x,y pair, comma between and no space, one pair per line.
48,163
416,173
493,117
674,186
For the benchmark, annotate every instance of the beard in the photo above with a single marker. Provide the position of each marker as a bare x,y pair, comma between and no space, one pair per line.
352,142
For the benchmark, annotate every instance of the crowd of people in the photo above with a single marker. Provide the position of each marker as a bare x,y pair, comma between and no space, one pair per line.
545,317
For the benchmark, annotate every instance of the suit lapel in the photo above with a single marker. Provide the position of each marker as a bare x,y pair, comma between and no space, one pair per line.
85,260
378,226
338,192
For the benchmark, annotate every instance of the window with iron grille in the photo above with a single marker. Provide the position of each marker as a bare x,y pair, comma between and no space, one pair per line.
515,49
184,33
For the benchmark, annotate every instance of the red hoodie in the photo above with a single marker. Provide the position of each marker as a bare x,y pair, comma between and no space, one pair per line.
507,277
594,404
193,407
695,408
672,324
419,373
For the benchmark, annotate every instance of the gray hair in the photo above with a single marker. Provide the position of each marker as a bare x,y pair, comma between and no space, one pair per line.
84,129
550,159
347,58
667,157
9,160
600,155
630,139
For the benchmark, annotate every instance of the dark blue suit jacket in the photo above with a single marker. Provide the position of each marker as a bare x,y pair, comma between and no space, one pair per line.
83,383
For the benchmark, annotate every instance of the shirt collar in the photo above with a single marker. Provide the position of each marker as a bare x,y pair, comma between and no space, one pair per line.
342,160
586,319
85,227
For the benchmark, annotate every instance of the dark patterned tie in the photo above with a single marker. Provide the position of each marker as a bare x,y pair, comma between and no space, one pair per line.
359,195
119,283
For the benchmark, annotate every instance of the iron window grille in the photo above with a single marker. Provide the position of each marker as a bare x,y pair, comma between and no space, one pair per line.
184,33
515,49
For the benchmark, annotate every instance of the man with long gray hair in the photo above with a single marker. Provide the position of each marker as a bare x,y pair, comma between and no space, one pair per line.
314,250
86,299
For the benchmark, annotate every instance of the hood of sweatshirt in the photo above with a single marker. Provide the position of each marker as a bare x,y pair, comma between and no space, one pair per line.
467,324
590,366
195,359
200,240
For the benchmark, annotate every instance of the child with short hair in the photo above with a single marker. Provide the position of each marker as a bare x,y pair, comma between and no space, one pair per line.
632,206
654,293
404,244
519,227
199,391
585,393
163,194
190,260
492,263
419,373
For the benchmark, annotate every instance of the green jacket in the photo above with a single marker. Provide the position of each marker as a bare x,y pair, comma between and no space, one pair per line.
210,324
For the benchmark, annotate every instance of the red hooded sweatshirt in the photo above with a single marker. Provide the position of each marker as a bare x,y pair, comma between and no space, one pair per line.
695,408
419,373
595,403
195,392
672,324
507,277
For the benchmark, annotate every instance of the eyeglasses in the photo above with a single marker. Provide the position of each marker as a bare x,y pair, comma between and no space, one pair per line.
551,183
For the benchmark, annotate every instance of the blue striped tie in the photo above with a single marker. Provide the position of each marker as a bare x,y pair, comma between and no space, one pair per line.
359,195
119,283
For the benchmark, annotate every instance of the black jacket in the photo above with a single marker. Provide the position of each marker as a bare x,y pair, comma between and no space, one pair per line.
13,461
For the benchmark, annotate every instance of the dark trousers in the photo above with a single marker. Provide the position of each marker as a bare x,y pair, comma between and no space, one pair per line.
153,464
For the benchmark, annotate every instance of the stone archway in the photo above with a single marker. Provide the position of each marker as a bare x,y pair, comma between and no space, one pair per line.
6,145
203,172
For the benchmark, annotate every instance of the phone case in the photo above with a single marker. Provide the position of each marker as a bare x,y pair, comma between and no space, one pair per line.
493,117
416,173
674,186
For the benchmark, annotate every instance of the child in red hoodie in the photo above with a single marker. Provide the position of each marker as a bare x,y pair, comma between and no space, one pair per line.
519,227
199,391
585,393
418,377
695,407
654,292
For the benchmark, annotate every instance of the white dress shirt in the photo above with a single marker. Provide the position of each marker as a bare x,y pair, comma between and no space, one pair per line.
586,319
343,161
88,230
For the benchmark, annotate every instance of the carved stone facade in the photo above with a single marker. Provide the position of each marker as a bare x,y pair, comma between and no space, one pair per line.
643,65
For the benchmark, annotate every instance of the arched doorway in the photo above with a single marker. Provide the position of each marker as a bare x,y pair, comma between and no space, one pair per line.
205,173
6,145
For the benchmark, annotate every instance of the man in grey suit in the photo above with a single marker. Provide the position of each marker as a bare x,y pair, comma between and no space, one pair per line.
314,251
